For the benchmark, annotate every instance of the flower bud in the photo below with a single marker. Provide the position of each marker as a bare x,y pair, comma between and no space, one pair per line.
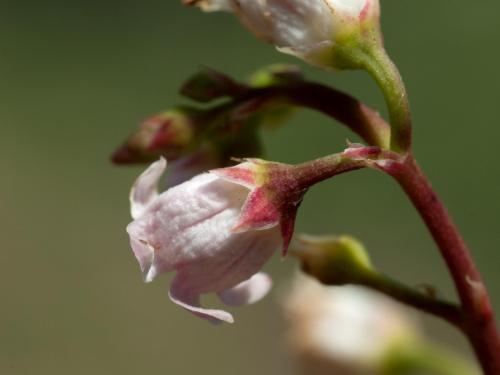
169,134
309,29
334,260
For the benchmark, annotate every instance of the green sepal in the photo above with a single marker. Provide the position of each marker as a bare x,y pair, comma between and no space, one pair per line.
334,260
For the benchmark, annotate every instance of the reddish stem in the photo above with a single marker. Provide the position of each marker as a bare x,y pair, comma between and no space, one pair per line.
478,315
361,119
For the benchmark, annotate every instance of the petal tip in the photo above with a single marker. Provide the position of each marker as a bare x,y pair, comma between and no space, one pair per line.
144,190
249,291
190,302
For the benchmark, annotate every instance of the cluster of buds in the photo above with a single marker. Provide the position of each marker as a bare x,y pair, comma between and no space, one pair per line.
196,139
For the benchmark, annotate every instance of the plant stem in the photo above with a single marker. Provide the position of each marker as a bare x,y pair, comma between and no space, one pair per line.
424,357
414,298
386,74
310,173
361,119
478,315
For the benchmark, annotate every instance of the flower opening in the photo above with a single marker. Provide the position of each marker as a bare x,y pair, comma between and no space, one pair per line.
190,229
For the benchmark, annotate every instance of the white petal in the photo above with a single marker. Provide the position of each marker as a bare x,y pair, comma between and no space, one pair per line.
249,291
294,23
145,189
351,7
190,301
191,220
232,262
144,254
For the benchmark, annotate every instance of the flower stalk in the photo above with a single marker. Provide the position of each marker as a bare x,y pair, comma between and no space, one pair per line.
387,76
478,316
368,53
475,316
445,310
361,119
343,260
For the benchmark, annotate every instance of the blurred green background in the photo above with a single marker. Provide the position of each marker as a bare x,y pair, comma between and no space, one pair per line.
77,76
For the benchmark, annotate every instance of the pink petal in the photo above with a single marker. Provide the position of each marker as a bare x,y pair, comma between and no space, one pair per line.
145,189
249,291
190,301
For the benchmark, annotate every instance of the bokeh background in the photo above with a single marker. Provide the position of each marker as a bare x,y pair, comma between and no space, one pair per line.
77,76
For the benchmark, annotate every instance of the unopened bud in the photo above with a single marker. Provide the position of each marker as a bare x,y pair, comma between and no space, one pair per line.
169,134
334,260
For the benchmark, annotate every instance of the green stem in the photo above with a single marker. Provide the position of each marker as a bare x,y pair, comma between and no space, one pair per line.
380,66
387,76
448,311
422,357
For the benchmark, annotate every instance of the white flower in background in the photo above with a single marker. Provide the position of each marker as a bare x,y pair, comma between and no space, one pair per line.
216,231
309,29
344,330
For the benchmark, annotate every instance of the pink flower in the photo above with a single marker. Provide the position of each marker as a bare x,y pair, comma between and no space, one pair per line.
216,231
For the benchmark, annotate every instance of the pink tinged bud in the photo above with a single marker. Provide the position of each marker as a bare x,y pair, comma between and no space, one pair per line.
169,133
188,229
306,28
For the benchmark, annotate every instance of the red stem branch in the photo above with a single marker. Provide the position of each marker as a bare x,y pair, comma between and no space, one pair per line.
358,117
478,315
